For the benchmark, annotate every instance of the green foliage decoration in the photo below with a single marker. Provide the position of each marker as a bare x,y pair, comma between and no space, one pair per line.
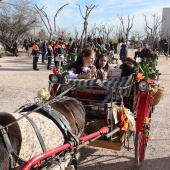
148,68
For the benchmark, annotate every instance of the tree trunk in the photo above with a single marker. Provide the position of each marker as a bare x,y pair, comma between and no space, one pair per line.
81,42
85,24
107,39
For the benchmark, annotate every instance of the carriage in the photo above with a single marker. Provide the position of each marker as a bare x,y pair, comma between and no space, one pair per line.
117,110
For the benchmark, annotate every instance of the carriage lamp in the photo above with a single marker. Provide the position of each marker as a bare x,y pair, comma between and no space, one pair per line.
143,86
53,78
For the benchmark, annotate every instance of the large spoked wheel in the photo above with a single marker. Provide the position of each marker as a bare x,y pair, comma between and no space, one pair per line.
140,148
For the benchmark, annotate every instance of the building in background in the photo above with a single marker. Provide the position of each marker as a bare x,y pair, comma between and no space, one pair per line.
166,22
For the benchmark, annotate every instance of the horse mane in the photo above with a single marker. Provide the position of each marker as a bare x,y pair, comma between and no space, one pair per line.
14,135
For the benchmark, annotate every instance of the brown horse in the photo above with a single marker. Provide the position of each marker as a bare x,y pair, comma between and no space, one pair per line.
70,108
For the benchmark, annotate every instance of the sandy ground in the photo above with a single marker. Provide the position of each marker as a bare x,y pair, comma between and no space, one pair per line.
19,84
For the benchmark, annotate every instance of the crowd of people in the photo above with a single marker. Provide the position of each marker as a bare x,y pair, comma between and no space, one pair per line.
91,62
59,50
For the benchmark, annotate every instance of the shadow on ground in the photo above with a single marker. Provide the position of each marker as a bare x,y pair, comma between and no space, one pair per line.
95,163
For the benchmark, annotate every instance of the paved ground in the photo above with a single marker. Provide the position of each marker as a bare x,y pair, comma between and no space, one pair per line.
19,83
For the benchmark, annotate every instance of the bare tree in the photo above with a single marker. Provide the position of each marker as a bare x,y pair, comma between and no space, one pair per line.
87,13
137,35
62,32
152,31
100,29
76,33
93,30
108,31
42,34
45,19
16,18
119,32
126,30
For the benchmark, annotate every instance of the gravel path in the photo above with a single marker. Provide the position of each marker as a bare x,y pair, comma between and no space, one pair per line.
19,83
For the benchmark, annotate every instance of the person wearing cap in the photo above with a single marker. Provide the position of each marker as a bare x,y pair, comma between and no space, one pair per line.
128,67
59,50
35,53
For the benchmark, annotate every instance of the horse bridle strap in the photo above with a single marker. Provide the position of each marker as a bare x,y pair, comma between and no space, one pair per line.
41,141
10,150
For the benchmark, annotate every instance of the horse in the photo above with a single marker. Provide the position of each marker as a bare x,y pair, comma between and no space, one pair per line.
71,110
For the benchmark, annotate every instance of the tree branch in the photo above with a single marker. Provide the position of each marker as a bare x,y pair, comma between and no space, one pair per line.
57,14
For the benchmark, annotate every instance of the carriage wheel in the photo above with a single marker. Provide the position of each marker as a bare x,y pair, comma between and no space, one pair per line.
140,148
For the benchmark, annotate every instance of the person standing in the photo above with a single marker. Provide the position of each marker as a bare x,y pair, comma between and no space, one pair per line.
137,53
30,44
49,55
36,53
155,57
145,53
123,53
44,51
59,50
15,49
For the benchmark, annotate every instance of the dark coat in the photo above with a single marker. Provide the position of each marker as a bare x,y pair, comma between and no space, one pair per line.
76,67
145,53
123,54
126,70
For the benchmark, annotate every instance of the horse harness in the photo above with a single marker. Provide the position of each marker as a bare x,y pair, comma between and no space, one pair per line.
50,113
11,152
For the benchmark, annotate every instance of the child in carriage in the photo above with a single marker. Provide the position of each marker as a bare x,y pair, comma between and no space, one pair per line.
102,66
83,68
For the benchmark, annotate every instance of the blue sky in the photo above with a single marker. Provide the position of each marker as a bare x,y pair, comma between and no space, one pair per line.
107,12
